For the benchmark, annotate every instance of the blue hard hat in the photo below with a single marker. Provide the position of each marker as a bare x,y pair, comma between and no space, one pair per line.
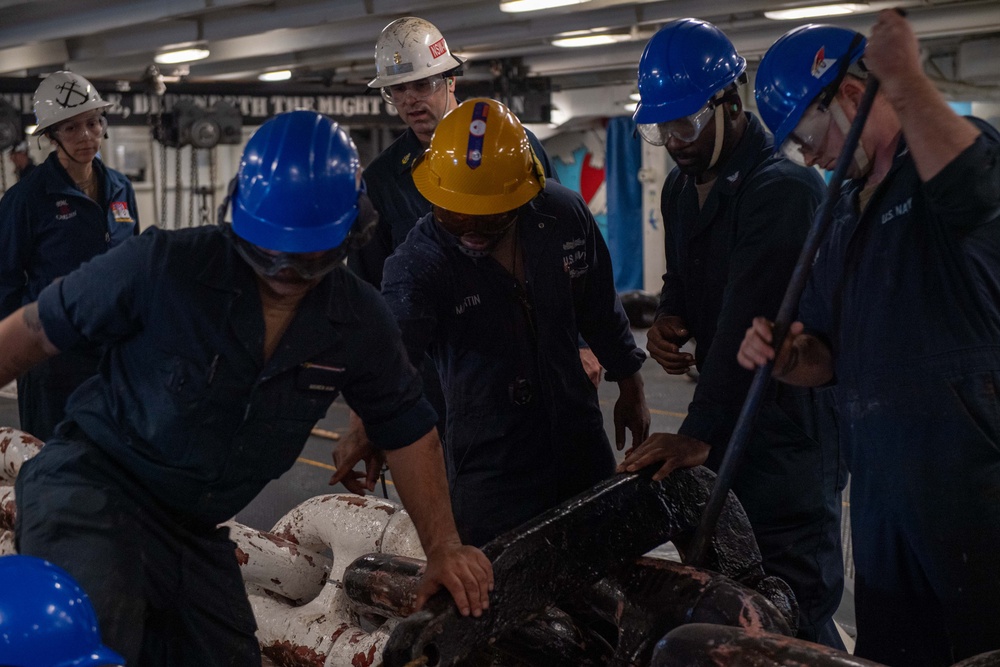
46,620
683,65
797,68
297,187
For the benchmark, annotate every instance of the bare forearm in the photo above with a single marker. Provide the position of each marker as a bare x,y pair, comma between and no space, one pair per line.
23,342
632,387
806,363
419,475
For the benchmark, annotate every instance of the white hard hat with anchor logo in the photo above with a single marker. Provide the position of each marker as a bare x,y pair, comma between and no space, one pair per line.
62,95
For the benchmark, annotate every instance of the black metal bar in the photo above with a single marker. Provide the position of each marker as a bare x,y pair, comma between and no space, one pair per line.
786,314
565,551
707,645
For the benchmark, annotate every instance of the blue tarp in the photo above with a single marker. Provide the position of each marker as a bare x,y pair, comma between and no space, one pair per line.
624,233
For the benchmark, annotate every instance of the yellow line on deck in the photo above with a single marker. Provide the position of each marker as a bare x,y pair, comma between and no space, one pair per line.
325,466
668,413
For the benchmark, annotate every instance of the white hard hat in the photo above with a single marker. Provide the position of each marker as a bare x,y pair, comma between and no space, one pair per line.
62,95
410,49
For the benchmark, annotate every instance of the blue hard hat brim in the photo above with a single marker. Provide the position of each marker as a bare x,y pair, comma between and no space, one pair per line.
646,114
98,658
285,238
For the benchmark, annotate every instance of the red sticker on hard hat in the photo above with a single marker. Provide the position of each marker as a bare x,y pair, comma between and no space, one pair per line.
477,130
820,63
438,48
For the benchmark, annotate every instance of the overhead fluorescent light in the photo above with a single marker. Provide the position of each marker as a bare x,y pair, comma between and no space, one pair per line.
631,106
277,75
635,97
514,6
814,12
589,40
185,55
30,129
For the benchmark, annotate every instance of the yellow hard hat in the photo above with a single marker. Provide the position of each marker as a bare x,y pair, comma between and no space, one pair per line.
479,161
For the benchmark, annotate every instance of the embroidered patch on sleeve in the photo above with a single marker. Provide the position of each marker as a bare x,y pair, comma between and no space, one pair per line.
120,210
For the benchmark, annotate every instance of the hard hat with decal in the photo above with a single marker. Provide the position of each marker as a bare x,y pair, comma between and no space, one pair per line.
797,68
682,67
479,161
410,49
298,187
46,618
62,95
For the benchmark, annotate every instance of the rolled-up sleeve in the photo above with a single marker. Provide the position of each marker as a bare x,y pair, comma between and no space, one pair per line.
101,301
967,191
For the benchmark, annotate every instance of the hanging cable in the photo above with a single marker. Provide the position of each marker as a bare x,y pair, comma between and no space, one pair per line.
213,176
178,195
152,177
193,190
163,187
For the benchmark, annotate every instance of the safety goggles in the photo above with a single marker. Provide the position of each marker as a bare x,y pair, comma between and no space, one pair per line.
306,265
75,128
807,139
420,89
685,129
459,224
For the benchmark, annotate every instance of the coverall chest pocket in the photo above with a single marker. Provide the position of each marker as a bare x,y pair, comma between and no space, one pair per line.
185,379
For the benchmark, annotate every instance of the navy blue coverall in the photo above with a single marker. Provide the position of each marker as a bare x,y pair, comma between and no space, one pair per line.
399,205
185,423
907,294
48,228
727,263
524,427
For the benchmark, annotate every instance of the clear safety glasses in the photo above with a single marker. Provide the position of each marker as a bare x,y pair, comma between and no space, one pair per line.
685,129
809,136
420,90
75,128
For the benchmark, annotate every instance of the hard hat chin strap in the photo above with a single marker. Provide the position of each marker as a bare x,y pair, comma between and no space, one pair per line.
53,137
719,135
860,157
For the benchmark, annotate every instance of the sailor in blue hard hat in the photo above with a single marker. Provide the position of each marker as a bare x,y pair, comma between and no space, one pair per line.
902,317
224,346
735,217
